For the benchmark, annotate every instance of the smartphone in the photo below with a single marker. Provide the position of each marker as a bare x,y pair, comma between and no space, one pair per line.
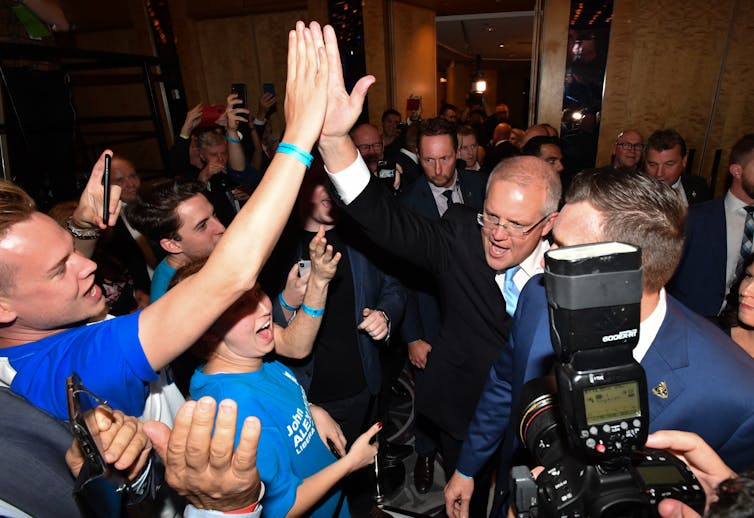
240,90
268,88
333,449
304,265
210,114
106,194
385,169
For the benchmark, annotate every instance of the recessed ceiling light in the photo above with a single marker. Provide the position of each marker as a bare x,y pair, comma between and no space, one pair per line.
501,45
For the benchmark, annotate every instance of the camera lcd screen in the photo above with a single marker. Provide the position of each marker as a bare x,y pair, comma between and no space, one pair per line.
612,403
660,475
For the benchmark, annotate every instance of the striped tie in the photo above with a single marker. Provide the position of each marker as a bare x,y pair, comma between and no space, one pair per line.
747,239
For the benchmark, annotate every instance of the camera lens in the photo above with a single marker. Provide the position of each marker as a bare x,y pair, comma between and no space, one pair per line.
538,427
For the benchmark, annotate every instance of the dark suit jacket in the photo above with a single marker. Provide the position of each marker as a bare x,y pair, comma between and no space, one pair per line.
422,319
709,379
699,280
696,188
372,289
117,252
497,153
411,171
35,477
474,323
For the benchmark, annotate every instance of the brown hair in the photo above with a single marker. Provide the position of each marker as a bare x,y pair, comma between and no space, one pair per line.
15,206
639,210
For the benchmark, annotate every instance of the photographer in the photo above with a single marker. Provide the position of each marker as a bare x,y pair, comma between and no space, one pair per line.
699,380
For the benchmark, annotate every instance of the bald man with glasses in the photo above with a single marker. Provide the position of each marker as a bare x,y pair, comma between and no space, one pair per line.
628,149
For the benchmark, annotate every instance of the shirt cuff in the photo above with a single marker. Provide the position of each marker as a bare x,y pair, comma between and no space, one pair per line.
192,512
351,181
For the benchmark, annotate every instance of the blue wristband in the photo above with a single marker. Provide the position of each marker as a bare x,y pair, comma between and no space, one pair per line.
285,304
296,152
312,312
231,139
464,475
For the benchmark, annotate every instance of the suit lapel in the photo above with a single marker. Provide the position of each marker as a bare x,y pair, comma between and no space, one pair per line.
664,361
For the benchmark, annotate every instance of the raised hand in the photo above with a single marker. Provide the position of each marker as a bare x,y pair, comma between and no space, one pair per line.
306,85
88,213
193,118
324,260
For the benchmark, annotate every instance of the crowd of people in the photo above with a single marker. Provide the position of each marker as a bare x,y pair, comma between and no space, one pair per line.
238,320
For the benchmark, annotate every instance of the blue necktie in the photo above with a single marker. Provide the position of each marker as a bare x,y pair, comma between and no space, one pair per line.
746,239
510,291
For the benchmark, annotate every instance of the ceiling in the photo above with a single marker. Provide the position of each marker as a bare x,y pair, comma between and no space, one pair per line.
502,36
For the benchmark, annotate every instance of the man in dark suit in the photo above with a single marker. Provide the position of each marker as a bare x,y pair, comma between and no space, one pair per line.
343,374
665,159
123,255
441,185
500,147
714,233
694,372
467,261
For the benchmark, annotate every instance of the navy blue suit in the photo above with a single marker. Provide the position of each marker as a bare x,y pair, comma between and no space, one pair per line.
699,280
372,289
710,382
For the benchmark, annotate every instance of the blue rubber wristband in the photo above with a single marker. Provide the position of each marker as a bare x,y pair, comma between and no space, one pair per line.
312,312
231,139
464,475
285,304
296,152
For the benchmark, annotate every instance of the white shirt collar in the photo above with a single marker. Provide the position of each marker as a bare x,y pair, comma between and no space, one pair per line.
650,326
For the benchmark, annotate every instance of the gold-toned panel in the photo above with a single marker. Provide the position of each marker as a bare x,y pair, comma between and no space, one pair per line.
415,51
552,61
734,113
376,52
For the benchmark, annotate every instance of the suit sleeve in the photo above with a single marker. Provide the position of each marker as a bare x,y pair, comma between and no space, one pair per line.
393,227
392,301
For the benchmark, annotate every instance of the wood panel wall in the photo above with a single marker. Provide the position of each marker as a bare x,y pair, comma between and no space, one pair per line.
415,56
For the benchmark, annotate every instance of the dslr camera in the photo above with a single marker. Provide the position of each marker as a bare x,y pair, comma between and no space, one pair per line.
587,424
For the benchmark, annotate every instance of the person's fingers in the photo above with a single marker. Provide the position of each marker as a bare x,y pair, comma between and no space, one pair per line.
200,434
335,79
98,171
292,53
221,448
670,508
120,441
159,435
245,458
137,446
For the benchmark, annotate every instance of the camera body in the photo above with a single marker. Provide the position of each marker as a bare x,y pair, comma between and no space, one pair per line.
588,423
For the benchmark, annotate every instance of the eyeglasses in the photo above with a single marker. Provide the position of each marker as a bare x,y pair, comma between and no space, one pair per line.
627,146
512,229
86,432
377,146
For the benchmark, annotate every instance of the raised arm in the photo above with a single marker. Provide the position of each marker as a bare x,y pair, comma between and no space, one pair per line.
170,325
297,340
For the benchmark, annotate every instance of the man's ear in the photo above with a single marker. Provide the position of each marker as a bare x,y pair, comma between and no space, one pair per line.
735,170
7,314
684,160
547,227
171,246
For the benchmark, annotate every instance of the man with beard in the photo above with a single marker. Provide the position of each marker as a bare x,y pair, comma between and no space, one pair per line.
716,238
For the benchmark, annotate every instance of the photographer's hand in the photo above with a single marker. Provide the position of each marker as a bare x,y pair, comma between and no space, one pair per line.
709,469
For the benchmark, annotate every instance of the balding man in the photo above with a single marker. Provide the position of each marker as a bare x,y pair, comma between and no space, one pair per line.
628,148
539,130
501,147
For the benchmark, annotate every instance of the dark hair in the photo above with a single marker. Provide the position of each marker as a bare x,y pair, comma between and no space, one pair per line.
390,111
742,149
438,126
447,106
154,214
533,146
728,318
465,130
639,210
735,497
664,139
